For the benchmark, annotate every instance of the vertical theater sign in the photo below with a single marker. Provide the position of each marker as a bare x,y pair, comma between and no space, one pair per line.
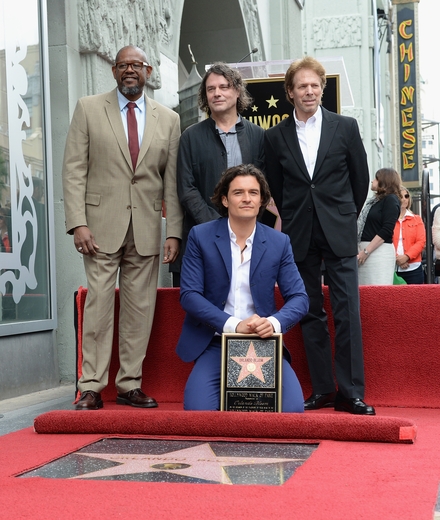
407,91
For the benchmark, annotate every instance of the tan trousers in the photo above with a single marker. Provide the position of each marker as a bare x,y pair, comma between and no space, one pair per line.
138,277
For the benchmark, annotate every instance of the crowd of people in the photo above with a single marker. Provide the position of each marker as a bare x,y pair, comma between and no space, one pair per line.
124,155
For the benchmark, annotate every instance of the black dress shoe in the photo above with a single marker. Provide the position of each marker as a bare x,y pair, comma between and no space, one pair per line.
354,405
317,401
89,400
136,398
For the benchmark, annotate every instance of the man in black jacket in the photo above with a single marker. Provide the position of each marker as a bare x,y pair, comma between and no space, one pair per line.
222,140
318,175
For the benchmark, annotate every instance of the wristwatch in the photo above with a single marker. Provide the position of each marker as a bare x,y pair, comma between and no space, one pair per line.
366,252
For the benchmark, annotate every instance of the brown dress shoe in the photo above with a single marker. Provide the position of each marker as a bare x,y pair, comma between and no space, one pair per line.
136,398
89,400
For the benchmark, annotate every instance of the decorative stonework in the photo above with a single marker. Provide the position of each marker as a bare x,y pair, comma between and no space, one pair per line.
371,31
251,19
18,266
337,31
390,154
105,26
388,85
358,114
374,123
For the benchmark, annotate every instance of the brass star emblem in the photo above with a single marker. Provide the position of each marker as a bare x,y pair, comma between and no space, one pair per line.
251,364
272,102
254,108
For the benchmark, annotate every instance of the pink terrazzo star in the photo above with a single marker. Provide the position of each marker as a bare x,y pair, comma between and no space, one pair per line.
197,462
251,364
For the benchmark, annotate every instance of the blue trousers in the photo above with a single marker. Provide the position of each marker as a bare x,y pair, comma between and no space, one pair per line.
202,390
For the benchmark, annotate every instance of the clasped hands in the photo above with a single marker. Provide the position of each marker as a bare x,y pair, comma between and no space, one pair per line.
402,261
256,325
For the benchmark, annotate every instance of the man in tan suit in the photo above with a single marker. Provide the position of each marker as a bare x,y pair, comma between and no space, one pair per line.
113,203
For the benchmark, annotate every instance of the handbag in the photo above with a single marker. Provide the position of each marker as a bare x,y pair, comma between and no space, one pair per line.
398,280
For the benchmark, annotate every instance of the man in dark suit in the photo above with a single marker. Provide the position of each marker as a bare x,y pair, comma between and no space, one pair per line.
318,175
229,272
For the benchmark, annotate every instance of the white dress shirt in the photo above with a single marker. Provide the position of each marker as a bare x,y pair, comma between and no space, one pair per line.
239,303
140,114
309,135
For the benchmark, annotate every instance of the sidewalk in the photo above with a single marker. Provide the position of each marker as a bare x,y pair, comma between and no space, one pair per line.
20,412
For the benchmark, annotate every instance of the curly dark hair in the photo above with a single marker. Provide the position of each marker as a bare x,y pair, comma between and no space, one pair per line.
234,79
222,188
389,182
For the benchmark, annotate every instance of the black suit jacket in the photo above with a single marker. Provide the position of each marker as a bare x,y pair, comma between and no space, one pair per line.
336,192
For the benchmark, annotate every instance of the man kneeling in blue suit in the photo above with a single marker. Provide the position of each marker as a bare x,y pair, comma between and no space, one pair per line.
228,276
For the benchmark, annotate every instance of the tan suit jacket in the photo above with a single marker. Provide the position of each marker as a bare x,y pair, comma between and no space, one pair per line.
102,191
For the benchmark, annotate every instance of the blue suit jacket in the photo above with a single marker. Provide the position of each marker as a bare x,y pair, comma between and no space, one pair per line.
206,278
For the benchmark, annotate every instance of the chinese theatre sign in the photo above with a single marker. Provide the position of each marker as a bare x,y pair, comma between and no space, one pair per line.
270,105
407,93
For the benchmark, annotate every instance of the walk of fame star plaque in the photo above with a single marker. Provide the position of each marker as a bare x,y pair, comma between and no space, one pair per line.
251,373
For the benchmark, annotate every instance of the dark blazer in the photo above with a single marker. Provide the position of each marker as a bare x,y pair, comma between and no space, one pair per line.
206,279
201,161
336,192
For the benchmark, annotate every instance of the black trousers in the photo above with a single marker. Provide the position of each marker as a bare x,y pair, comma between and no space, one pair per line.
413,277
342,279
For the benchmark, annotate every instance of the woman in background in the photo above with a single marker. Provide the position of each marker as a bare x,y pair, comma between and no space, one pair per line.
377,256
5,241
409,240
436,234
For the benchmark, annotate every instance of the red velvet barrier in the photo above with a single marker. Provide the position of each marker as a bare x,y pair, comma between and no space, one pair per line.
401,333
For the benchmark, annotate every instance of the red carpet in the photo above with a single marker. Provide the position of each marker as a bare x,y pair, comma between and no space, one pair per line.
339,481
401,332
394,479
391,355
229,425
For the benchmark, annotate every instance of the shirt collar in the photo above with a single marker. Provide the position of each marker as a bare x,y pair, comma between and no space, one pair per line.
233,237
122,101
232,130
315,119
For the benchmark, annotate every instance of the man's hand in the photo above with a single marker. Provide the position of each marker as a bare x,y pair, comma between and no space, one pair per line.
84,241
171,250
256,325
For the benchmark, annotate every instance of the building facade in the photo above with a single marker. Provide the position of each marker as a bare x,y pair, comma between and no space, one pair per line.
54,51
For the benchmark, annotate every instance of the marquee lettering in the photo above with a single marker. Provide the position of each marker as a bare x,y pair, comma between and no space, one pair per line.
402,29
407,114
409,136
407,94
408,155
406,51
408,111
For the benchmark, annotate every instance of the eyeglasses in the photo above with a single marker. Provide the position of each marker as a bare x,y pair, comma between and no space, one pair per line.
406,195
135,65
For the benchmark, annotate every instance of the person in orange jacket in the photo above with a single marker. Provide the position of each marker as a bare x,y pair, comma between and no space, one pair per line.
409,240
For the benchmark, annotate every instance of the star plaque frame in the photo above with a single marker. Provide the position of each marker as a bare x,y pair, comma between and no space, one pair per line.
251,373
